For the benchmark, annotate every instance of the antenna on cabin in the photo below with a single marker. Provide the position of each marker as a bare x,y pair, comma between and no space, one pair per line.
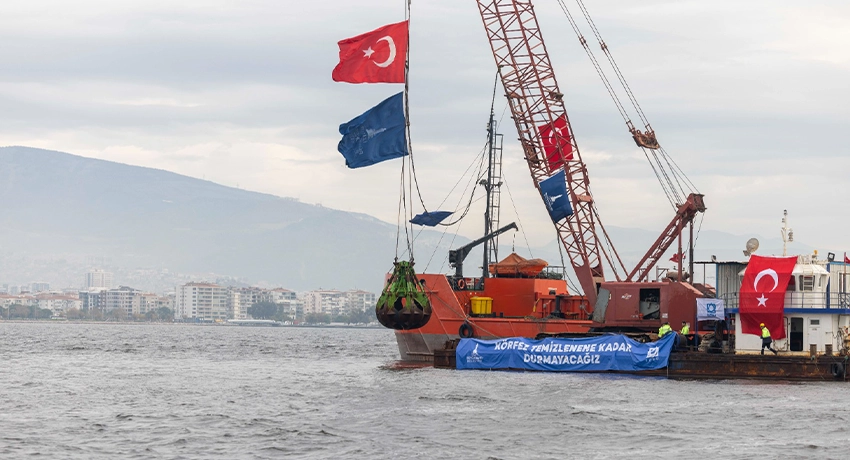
752,245
787,233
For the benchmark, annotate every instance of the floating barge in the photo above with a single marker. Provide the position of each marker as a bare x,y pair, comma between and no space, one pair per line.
702,365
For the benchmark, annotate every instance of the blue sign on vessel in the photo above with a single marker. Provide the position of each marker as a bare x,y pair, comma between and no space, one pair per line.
603,353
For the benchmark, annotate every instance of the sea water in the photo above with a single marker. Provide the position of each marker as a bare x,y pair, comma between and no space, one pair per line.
83,391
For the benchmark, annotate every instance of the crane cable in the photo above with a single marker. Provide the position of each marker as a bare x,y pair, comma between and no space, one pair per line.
402,217
667,172
614,65
595,63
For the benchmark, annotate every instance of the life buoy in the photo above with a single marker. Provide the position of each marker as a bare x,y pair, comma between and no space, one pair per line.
466,331
461,284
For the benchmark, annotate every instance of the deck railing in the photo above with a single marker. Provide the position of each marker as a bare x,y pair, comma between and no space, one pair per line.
801,300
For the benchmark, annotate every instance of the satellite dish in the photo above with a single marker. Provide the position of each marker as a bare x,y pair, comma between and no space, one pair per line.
752,245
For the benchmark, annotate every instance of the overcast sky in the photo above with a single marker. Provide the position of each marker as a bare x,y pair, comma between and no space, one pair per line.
750,98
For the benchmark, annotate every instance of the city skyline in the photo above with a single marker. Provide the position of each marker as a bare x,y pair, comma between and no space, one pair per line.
196,300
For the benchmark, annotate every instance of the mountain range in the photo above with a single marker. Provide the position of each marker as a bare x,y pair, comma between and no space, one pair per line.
66,211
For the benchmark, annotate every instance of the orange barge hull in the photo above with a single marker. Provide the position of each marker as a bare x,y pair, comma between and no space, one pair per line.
521,307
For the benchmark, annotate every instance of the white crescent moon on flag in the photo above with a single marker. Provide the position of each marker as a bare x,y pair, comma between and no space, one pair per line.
767,272
390,59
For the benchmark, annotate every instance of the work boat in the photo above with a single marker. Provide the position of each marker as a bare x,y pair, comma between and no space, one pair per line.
515,297
816,310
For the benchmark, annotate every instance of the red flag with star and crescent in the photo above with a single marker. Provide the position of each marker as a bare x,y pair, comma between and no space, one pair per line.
555,138
763,294
374,57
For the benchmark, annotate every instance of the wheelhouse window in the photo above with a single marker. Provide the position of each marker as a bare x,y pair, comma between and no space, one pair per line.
807,283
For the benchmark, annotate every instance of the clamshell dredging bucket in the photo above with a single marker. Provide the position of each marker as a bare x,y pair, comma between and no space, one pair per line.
403,304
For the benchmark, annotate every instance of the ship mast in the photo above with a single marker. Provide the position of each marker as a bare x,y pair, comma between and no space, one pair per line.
787,233
491,185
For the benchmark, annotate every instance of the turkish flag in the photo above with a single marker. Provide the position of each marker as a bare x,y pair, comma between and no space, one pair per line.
374,57
677,257
763,294
555,138
846,259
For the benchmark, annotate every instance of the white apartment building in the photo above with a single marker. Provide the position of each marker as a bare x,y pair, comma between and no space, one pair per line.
280,295
360,300
7,300
98,279
119,299
291,305
329,302
144,302
58,303
204,301
166,301
240,299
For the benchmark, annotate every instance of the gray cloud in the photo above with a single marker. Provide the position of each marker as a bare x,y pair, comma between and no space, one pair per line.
748,97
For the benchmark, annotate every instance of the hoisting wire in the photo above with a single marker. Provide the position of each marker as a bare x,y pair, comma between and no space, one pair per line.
658,176
609,250
480,167
404,198
451,244
616,68
673,196
473,179
673,186
480,175
400,207
699,229
596,65
419,193
567,278
666,158
678,171
403,195
614,97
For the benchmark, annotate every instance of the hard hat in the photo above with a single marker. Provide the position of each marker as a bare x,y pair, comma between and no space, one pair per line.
761,325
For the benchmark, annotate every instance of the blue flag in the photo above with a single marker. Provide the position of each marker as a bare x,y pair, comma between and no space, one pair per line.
430,218
375,136
554,192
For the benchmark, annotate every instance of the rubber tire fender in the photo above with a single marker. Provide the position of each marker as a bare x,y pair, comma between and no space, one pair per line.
837,370
466,331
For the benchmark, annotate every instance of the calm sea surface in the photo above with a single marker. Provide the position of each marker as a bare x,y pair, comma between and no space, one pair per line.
197,392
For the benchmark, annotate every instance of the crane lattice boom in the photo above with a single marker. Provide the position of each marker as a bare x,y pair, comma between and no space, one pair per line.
535,101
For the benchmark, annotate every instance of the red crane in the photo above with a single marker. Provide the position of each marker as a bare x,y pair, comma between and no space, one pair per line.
548,143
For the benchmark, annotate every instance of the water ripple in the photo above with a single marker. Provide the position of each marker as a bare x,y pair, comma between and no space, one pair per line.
91,391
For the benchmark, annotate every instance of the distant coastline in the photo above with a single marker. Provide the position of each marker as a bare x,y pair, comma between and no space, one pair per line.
204,324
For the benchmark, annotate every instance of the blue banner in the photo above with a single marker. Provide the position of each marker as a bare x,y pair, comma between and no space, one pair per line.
555,196
376,135
593,354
